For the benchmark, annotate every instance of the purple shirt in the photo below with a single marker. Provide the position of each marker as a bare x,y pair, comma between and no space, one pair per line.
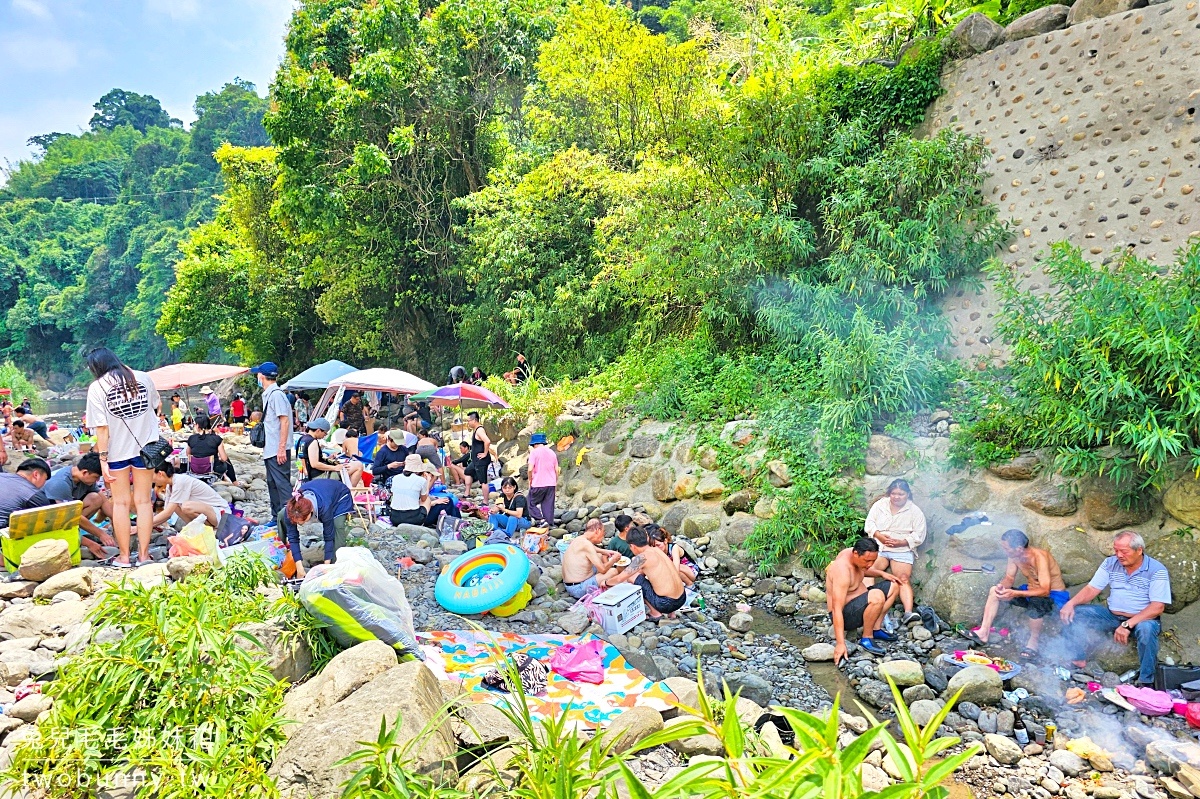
214,404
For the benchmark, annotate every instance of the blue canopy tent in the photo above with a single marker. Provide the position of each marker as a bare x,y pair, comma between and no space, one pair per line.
319,376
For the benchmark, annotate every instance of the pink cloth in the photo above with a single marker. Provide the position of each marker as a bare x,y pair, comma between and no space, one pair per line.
543,467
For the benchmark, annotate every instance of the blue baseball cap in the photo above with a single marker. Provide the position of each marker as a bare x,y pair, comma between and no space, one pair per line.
267,369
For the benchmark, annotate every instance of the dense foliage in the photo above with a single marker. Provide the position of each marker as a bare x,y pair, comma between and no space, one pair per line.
1105,369
90,231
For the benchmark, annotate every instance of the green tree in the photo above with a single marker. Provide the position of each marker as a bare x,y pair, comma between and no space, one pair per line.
139,111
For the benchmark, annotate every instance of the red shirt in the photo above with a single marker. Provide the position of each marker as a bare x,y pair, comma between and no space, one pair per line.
239,407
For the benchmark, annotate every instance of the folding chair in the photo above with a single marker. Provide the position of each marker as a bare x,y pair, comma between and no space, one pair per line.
27,527
366,502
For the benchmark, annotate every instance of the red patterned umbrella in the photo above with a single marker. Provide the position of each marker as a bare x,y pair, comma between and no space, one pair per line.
463,395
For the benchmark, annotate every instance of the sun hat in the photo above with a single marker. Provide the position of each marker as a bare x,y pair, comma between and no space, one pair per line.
318,424
537,438
396,435
206,390
267,369
414,463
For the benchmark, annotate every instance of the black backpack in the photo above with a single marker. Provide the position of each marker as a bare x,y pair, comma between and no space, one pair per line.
258,435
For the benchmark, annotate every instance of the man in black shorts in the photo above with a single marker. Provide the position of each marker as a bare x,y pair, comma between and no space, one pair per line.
853,603
651,570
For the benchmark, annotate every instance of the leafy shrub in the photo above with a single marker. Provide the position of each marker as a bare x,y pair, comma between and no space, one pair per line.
176,697
13,378
1108,357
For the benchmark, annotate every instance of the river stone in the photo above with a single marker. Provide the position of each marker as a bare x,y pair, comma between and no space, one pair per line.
662,484
29,708
888,456
181,568
1181,555
750,686
45,559
1051,499
923,711
978,684
574,623
1104,511
1004,749
903,672
643,446
1043,20
874,779
818,653
741,622
632,726
710,487
875,692
288,656
1076,556
935,679
1068,762
976,33
17,589
342,676
77,580
1022,467
965,495
696,745
737,502
1083,10
1169,755
915,693
305,767
786,604
40,621
1182,500
699,524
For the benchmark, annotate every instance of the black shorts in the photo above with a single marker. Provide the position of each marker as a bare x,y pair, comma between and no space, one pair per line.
1035,607
852,612
660,603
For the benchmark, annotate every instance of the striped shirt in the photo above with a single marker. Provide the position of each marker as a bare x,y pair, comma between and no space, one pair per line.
1129,594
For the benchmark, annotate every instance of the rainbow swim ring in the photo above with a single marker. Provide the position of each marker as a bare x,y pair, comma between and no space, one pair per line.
482,579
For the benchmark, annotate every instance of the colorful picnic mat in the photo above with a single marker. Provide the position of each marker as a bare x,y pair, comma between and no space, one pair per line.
464,656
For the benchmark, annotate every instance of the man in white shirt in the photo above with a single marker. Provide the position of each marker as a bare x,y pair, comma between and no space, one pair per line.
187,498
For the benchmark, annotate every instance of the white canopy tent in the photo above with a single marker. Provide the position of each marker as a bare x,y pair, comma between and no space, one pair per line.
376,381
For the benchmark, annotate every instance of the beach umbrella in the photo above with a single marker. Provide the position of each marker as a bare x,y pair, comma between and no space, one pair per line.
182,375
319,376
462,395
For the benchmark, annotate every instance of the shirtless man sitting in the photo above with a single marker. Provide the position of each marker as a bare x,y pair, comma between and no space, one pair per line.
854,603
585,566
655,573
1041,594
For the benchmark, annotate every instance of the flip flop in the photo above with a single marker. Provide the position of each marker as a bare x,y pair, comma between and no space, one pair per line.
975,638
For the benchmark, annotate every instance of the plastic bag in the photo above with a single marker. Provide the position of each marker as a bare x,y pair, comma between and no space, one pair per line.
196,538
534,543
580,662
358,600
1147,701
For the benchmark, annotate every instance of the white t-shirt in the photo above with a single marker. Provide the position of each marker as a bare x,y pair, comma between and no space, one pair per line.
407,490
185,488
132,422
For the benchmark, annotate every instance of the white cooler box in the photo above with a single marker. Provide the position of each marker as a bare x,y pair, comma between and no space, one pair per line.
620,608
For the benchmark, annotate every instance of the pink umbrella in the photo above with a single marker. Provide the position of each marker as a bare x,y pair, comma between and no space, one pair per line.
182,375
463,395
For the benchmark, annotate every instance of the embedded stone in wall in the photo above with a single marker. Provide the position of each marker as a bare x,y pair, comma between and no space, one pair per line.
1022,467
1051,499
887,455
643,447
1178,552
1043,20
640,474
965,495
1182,500
710,487
1077,557
1093,9
975,34
616,471
779,474
662,484
685,486
1104,511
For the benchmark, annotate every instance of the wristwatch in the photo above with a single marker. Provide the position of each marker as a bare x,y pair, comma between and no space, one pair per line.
1125,624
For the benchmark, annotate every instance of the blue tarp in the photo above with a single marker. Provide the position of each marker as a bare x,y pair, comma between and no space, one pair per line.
318,376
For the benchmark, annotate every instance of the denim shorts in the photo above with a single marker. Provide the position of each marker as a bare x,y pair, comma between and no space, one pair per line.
136,462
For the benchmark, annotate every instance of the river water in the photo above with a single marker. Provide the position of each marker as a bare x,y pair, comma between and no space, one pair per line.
66,412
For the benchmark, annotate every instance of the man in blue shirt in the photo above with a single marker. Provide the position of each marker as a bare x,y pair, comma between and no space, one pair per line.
1139,591
78,482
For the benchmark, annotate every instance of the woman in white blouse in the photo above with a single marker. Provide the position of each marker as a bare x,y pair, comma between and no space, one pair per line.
899,527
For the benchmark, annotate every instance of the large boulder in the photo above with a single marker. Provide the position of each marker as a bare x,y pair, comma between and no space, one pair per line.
672,520
1035,23
1168,756
978,542
643,447
631,726
739,529
662,484
342,676
1180,554
699,524
1083,10
685,486
288,655
979,685
45,559
965,495
887,455
1053,498
1182,500
1076,555
1105,511
960,597
408,695
977,33
77,580
1022,467
710,487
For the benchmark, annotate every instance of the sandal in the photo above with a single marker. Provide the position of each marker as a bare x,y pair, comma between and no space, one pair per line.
1028,654
115,563
974,637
